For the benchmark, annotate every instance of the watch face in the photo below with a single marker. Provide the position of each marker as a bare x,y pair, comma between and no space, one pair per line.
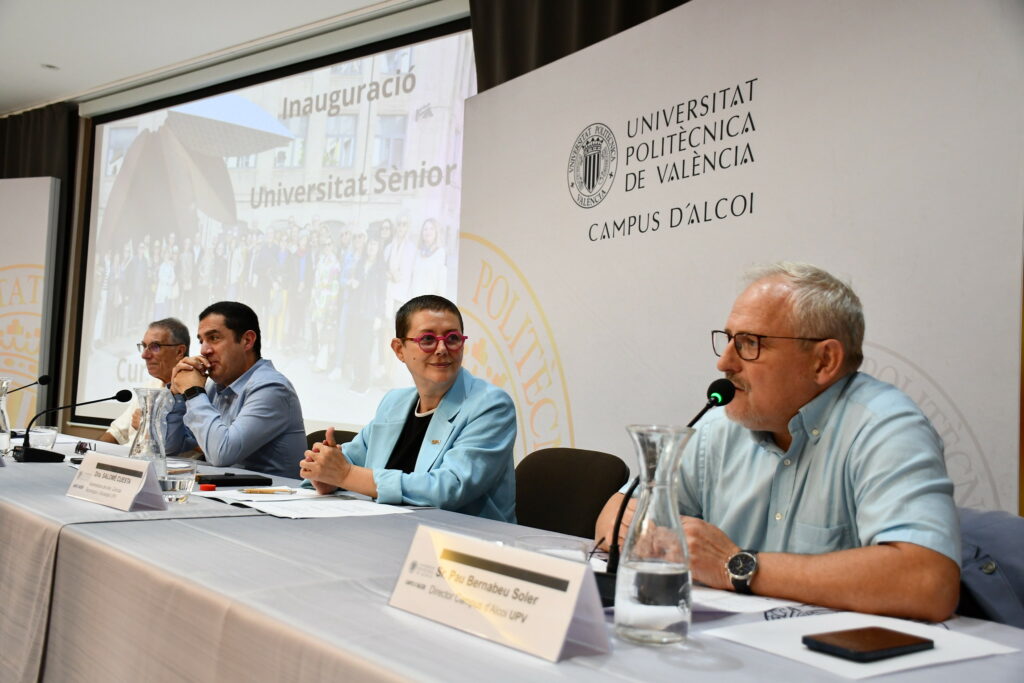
742,564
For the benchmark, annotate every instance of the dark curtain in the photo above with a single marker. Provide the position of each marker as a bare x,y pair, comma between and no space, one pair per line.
512,37
38,143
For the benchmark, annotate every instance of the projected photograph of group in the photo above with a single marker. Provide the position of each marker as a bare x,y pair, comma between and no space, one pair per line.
323,200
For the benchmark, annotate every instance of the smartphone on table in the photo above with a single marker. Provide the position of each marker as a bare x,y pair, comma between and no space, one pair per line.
868,644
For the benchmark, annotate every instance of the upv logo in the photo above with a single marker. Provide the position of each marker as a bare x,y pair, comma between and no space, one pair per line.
593,161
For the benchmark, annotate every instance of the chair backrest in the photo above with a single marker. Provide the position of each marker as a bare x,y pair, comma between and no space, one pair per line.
340,436
992,566
564,489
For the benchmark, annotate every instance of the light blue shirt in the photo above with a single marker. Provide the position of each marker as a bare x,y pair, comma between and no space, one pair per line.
255,423
465,462
865,467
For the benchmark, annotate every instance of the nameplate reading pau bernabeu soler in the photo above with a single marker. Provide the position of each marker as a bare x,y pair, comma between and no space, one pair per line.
544,605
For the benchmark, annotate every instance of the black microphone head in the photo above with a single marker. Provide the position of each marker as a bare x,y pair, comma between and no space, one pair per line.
125,395
43,380
720,392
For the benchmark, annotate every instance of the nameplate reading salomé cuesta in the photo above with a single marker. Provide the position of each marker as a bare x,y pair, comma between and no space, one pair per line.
122,483
543,605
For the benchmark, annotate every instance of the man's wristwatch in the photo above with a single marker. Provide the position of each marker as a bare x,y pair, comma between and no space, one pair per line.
741,567
192,392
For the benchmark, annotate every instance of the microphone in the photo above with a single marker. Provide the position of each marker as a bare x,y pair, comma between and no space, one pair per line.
42,381
719,393
25,452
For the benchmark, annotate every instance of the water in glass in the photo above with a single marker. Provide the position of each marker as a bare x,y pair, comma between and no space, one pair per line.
652,602
652,587
179,479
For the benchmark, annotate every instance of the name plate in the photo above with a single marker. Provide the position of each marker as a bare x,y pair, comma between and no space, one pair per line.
123,483
540,604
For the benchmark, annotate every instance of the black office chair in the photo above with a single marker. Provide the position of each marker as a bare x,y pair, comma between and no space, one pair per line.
564,489
340,436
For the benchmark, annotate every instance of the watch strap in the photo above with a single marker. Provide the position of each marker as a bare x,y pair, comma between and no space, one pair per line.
742,586
192,392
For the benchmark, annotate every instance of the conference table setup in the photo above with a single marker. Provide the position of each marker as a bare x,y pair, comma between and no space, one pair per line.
209,591
357,341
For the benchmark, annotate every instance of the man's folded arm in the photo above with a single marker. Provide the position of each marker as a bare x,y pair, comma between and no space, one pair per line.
896,579
263,416
178,438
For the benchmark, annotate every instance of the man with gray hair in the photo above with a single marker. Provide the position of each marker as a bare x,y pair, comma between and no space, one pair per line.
817,483
164,344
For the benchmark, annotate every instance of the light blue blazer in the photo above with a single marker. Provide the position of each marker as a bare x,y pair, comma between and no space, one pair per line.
465,463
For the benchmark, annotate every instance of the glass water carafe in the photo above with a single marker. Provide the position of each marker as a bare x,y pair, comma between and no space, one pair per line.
149,441
652,587
5,419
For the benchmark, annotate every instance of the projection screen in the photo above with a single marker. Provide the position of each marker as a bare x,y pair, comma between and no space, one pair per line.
322,199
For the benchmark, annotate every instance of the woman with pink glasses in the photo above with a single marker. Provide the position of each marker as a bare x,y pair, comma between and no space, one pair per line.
447,442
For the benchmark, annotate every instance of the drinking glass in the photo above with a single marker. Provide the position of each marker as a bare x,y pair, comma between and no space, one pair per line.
43,437
177,479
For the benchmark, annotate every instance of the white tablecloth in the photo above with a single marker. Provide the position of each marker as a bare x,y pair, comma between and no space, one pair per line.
243,598
33,511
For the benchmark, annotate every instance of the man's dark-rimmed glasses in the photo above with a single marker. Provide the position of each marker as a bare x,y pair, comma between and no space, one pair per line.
747,344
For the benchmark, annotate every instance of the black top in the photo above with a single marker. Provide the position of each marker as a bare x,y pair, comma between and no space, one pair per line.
403,457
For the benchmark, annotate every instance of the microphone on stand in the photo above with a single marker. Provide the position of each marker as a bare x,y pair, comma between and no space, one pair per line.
25,452
719,393
42,381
